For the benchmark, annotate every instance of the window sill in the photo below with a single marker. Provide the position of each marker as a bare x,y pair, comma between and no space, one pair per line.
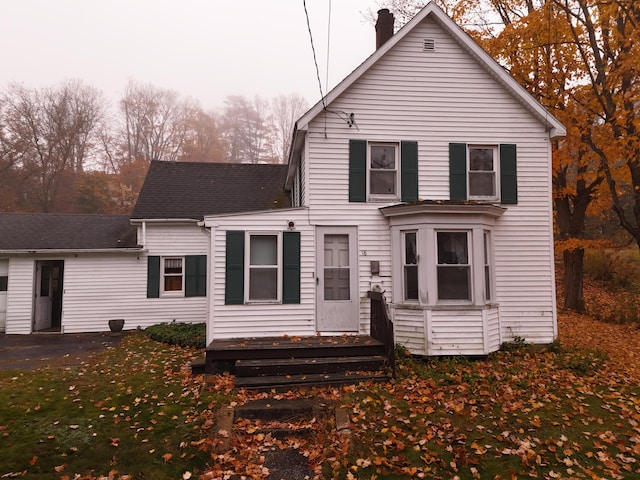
383,198
176,294
262,302
442,307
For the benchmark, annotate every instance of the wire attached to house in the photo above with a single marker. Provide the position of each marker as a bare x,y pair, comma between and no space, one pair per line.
349,119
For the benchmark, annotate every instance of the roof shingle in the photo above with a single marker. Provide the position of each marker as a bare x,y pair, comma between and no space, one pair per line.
181,190
52,231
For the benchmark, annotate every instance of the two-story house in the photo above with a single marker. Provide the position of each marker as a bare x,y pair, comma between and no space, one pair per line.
426,175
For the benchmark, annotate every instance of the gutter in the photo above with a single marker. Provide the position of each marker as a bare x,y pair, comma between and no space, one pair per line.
50,251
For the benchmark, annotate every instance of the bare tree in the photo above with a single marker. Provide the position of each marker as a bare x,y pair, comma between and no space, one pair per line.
48,132
154,123
285,111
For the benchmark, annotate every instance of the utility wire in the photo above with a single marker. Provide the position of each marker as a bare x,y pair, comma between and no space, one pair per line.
349,118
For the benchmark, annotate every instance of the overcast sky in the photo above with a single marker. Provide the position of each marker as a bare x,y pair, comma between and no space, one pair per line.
204,49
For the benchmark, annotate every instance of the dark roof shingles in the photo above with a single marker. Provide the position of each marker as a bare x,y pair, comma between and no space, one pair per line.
179,190
51,231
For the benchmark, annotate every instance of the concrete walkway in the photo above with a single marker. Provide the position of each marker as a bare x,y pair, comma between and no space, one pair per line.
41,350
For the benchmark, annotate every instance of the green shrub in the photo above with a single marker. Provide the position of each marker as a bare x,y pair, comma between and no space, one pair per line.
181,334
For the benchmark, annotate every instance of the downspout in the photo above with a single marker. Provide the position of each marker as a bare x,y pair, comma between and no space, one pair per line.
143,235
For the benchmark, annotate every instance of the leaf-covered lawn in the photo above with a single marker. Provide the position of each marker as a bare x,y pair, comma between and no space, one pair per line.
567,411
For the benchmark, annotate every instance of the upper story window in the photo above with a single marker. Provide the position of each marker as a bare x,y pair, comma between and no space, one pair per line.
482,173
383,169
172,274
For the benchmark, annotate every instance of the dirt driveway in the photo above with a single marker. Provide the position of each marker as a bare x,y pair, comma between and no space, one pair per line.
41,350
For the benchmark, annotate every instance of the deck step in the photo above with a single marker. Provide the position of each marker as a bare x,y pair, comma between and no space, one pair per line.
294,366
301,380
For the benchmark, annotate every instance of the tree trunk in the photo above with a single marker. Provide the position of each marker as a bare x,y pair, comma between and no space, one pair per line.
573,275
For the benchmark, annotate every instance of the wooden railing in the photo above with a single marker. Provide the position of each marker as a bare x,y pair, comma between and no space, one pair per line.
382,328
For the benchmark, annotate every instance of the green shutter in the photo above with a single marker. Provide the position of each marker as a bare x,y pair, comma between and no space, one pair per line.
409,171
291,267
457,171
508,174
234,273
357,170
153,277
195,283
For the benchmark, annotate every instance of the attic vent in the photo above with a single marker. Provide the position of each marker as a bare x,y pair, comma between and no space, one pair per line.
428,45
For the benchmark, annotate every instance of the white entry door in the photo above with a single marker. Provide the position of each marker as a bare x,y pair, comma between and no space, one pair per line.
337,279
44,297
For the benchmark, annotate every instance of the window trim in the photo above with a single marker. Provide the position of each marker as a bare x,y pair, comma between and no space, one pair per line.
172,293
247,266
496,172
373,197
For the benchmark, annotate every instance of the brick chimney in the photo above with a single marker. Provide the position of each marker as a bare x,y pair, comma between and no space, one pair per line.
384,26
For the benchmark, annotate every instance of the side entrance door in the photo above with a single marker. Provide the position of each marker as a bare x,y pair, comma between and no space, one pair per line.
337,304
47,313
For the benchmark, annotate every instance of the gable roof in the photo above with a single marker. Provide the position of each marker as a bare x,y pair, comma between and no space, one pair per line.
191,190
556,129
51,231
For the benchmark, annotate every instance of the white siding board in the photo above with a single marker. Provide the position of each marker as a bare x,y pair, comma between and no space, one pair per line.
20,295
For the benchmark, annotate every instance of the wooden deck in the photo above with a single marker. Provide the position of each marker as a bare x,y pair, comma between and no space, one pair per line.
270,362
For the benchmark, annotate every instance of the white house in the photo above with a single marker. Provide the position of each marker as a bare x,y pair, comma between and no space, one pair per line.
424,175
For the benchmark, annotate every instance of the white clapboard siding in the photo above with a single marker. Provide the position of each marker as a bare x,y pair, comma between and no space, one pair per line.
4,272
436,98
262,319
20,295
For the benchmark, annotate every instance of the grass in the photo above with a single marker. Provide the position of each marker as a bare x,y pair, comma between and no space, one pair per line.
130,409
569,410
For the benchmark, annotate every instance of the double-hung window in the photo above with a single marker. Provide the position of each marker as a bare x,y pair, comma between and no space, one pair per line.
172,274
453,266
263,267
483,172
410,266
383,169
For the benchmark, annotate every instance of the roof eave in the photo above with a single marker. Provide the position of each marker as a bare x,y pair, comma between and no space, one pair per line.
69,251
136,221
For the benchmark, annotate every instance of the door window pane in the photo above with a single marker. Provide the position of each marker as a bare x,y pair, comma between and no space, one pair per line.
45,280
337,280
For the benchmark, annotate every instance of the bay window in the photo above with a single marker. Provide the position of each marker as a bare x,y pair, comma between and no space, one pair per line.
443,254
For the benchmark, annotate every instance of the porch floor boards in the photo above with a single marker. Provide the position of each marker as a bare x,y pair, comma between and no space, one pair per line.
290,361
